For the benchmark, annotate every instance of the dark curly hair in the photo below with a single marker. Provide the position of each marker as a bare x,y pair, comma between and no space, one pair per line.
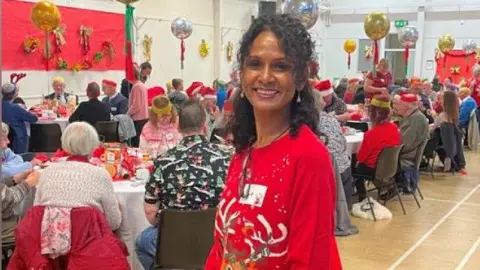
298,46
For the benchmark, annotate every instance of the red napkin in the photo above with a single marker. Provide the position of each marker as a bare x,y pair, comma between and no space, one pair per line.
60,153
62,111
98,152
42,157
356,117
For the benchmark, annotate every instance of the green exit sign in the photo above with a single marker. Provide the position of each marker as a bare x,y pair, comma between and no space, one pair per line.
401,23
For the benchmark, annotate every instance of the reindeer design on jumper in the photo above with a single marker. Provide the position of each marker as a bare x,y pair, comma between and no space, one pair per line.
261,241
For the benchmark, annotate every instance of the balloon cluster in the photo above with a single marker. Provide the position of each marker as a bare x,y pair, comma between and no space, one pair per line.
307,11
181,29
408,37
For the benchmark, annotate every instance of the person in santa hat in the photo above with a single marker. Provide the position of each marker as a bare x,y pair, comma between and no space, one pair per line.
117,103
154,92
413,126
193,91
333,104
208,100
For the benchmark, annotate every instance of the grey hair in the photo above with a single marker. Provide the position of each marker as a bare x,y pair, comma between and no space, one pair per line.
80,138
476,70
4,130
191,118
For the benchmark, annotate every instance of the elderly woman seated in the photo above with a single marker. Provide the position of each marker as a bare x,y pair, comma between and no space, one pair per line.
76,182
383,134
93,110
12,163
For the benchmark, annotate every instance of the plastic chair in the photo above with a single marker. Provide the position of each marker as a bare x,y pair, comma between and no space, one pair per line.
184,238
429,153
108,130
45,138
386,169
418,162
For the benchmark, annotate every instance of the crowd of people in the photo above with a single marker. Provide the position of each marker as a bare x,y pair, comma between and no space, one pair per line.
264,148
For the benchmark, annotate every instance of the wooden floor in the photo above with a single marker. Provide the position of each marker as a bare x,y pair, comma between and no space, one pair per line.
443,234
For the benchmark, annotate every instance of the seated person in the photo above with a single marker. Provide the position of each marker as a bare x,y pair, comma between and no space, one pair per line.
333,104
467,106
450,115
117,103
15,78
76,182
383,134
167,189
59,91
413,126
14,189
177,96
93,110
12,164
16,116
160,133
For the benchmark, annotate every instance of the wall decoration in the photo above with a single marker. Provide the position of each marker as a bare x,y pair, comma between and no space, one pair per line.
204,49
108,49
62,64
469,46
107,26
60,40
349,47
455,64
455,70
147,47
31,44
181,29
230,51
97,57
368,52
85,33
129,39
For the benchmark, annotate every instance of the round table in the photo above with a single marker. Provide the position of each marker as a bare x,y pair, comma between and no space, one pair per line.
130,196
353,142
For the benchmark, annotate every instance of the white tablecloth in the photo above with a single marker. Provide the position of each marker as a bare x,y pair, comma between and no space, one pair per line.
131,198
62,122
354,142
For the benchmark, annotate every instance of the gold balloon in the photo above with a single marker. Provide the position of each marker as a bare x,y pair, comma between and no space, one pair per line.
446,43
46,16
376,25
126,2
350,46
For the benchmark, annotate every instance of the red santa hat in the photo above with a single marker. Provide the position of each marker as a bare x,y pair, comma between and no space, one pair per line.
409,98
208,93
109,83
194,89
324,88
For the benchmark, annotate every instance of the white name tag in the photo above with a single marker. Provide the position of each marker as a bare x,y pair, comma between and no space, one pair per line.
255,196
169,136
114,109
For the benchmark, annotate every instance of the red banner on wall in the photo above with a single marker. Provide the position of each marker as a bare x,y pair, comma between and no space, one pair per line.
455,64
17,26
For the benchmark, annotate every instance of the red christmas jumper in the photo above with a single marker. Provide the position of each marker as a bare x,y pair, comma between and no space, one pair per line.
375,140
287,221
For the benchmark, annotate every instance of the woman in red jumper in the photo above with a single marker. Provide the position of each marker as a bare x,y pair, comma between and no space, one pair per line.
277,209
383,134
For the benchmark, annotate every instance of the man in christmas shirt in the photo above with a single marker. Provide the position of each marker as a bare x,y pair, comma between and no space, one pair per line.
194,158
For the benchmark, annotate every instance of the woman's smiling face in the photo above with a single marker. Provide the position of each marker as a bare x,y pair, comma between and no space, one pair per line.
267,76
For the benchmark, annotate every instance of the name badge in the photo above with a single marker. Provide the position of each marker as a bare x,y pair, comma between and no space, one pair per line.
114,109
169,136
255,196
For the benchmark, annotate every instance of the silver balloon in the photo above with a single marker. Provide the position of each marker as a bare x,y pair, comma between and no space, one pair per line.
408,36
469,46
181,28
307,11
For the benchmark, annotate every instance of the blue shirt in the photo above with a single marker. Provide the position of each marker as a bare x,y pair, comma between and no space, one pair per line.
13,164
15,117
221,97
466,108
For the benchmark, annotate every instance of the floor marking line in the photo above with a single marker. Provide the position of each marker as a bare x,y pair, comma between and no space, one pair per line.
429,232
468,255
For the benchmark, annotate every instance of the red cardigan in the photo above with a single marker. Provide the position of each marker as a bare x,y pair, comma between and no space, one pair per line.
288,220
375,140
93,244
